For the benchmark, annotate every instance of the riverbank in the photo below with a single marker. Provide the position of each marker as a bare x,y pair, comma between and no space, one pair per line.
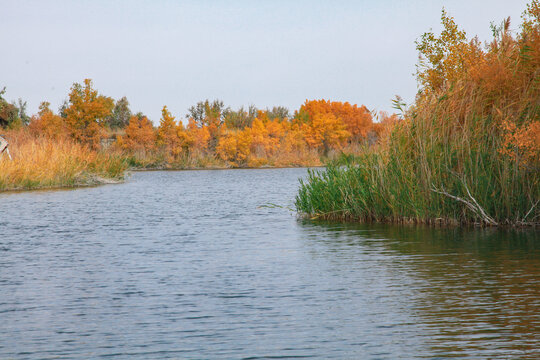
17,176
52,162
46,163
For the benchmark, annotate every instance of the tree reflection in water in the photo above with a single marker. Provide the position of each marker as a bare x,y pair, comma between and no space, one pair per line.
473,292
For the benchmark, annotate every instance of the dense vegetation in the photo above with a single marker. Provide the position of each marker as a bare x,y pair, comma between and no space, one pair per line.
93,137
467,150
41,162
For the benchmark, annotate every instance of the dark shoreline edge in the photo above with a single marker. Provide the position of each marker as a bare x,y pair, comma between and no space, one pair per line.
93,180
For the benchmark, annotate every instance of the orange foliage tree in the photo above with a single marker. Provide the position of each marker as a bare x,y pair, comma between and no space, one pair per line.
200,136
358,120
330,124
234,146
323,130
276,130
167,133
502,78
187,140
445,59
140,135
47,123
261,142
86,113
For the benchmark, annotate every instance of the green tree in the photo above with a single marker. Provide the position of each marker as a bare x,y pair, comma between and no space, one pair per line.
11,115
240,118
278,112
120,115
207,113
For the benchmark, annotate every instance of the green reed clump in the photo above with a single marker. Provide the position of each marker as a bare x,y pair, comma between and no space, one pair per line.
428,173
468,150
434,167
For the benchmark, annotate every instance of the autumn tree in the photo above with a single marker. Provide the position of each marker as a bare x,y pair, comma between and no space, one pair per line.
8,114
47,123
266,136
356,120
186,138
260,141
86,113
167,133
294,140
140,135
445,58
500,79
200,136
325,131
234,146
276,130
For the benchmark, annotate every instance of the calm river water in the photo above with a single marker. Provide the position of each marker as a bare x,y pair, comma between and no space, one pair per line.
198,264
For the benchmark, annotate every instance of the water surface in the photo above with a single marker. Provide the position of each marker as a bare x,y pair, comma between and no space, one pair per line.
198,264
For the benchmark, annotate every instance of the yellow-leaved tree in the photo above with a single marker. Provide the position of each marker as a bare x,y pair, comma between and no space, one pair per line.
167,137
47,123
140,135
86,113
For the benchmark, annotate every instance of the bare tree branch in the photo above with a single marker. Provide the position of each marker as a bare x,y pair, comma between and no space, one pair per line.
473,206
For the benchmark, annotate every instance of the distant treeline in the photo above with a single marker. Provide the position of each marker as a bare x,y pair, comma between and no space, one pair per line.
214,135
92,137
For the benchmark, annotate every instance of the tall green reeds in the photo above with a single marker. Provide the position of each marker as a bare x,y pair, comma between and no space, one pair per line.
427,175
466,152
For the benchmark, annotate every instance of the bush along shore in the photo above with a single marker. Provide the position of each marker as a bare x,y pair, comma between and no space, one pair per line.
466,152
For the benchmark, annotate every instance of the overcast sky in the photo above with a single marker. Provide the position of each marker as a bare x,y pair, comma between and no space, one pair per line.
266,53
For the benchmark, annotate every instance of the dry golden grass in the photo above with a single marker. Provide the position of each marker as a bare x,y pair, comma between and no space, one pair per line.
40,162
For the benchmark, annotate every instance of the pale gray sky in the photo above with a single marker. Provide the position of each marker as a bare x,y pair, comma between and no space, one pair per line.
267,53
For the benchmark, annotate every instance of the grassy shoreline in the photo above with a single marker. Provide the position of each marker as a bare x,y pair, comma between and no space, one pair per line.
92,180
340,193
43,164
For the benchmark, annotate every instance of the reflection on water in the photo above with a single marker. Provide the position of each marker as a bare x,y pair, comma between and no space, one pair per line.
474,291
191,265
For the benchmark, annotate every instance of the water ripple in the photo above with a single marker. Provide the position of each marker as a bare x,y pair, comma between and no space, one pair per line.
189,265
